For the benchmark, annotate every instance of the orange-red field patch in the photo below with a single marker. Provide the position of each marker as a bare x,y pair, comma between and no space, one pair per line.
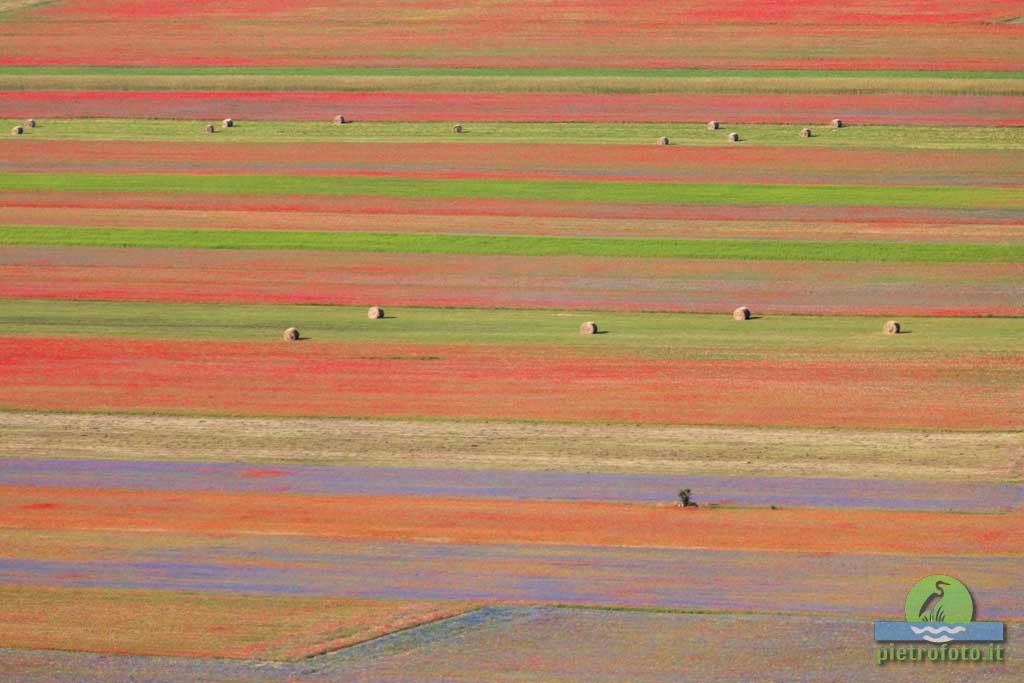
201,624
462,520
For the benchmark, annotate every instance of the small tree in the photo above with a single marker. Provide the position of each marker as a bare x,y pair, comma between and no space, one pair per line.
684,499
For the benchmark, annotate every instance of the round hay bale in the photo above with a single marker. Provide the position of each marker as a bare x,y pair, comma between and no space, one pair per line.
17,130
837,123
805,132
228,123
31,123
339,119
375,313
663,140
589,327
712,125
210,128
291,334
457,128
734,137
892,327
741,313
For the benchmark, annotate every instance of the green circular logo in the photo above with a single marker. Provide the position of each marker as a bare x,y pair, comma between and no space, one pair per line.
939,598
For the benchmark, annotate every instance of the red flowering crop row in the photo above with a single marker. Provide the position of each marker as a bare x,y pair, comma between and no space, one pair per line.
504,381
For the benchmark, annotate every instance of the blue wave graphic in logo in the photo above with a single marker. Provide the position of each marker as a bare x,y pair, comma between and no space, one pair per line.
937,636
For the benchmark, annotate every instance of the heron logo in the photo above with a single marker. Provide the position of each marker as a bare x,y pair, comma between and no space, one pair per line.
939,609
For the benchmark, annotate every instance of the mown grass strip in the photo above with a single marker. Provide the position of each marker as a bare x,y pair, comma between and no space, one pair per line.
850,136
679,335
936,196
514,245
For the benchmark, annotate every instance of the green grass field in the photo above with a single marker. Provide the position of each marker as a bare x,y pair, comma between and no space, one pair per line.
515,245
852,136
679,335
939,196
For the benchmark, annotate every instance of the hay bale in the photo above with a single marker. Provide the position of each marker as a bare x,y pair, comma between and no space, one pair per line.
291,334
339,119
457,128
734,137
712,125
741,313
663,140
17,130
837,123
375,313
228,123
589,327
892,327
805,132
210,128
31,123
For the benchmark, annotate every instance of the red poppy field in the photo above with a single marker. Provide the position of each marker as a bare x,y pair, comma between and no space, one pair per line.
471,487
503,381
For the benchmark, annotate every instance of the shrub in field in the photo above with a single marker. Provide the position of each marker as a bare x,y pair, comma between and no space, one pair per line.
685,499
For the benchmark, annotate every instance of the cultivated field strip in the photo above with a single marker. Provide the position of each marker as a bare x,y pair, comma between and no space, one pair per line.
816,163
839,584
361,219
468,520
595,34
511,484
587,451
451,488
488,381
531,641
800,108
853,134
